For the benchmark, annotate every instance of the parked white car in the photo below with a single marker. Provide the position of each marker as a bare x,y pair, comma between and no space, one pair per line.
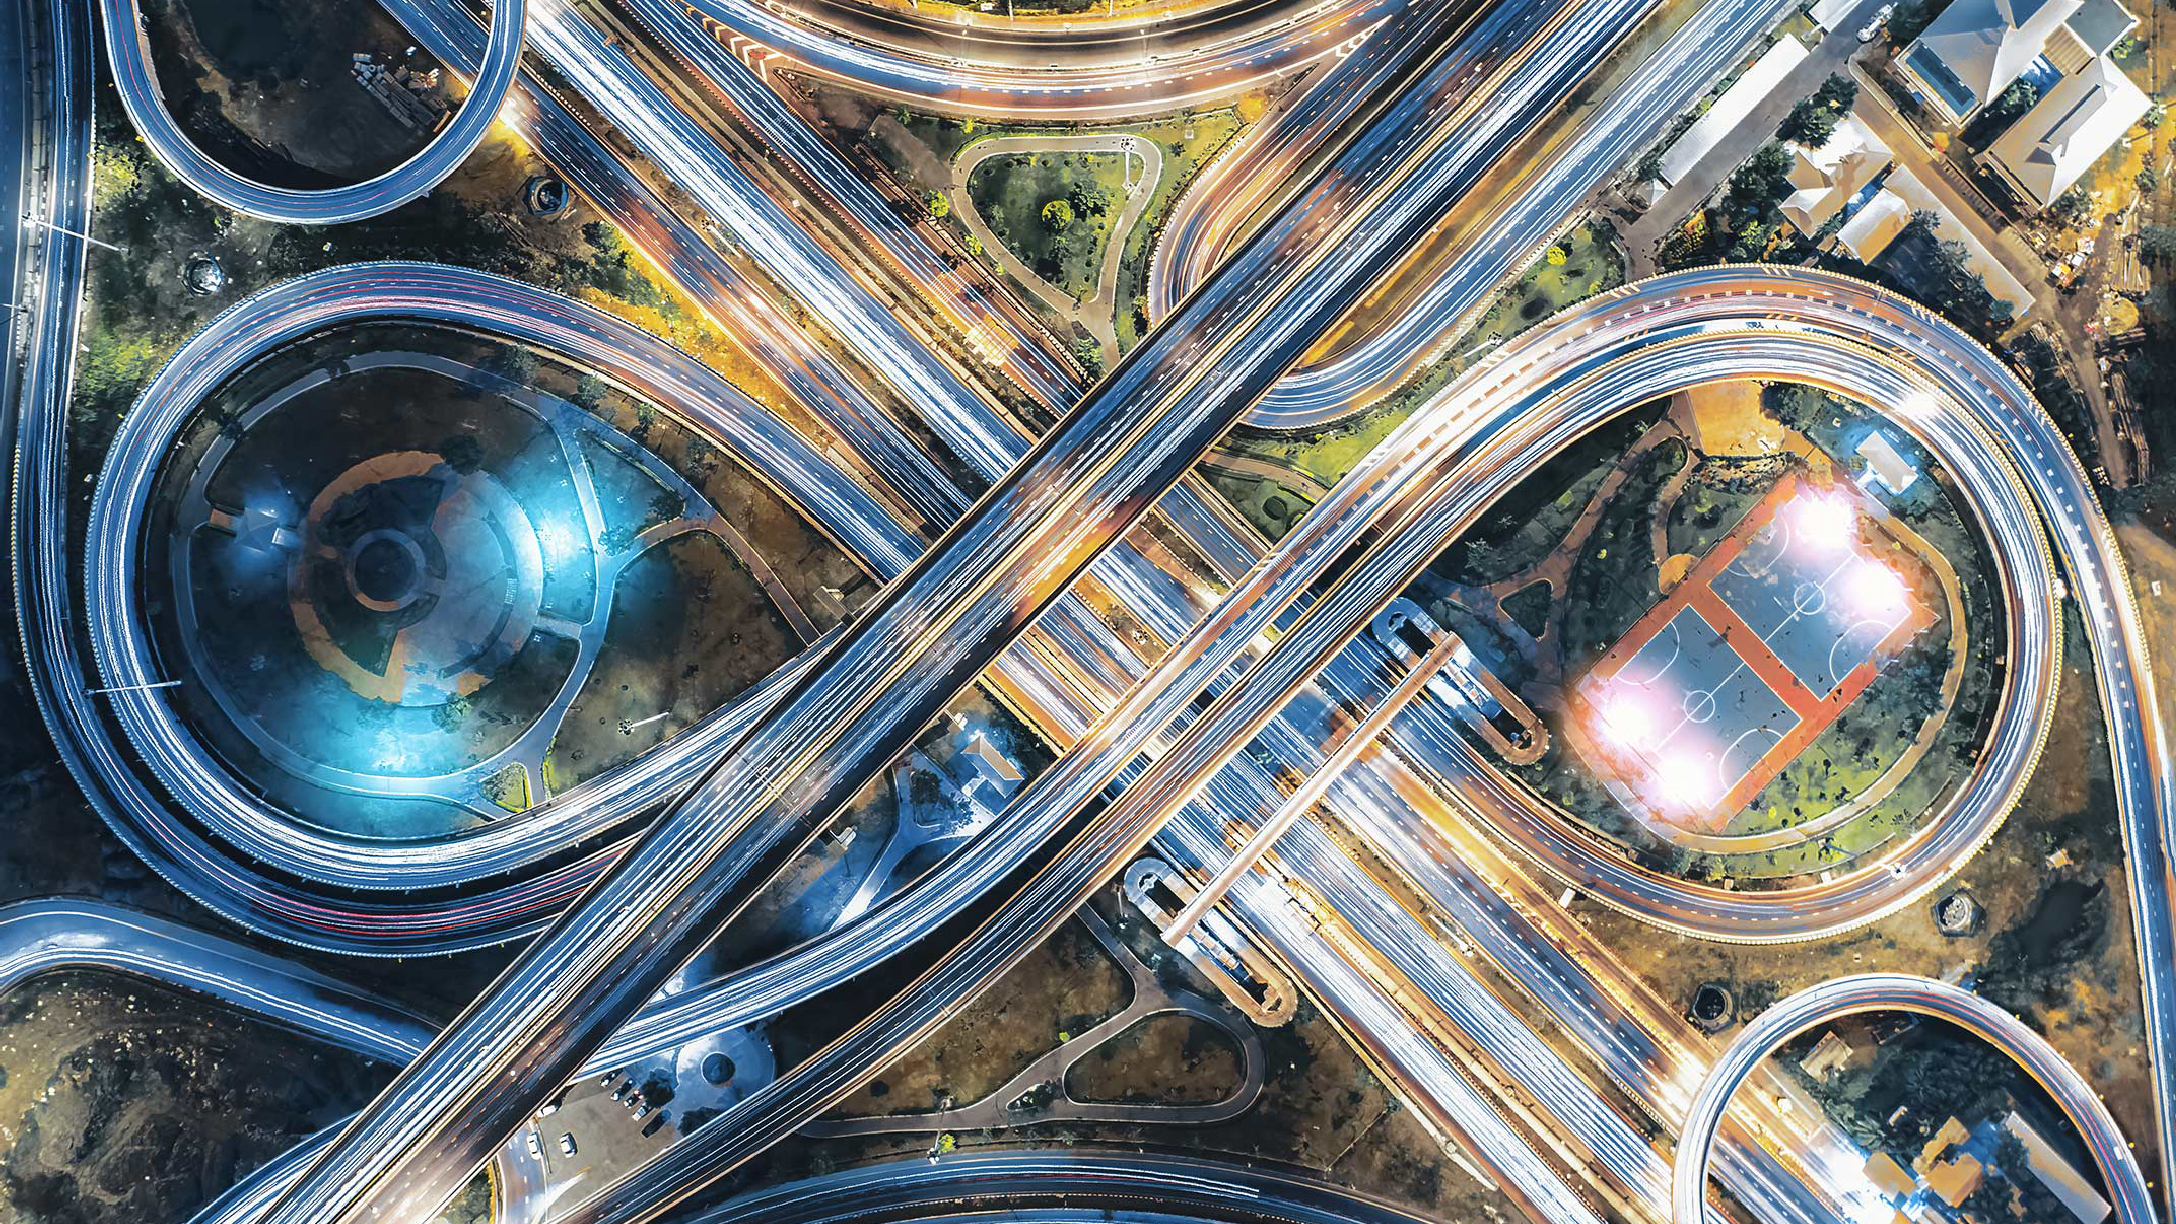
1873,26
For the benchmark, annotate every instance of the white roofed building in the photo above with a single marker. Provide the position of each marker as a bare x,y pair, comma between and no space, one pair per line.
2055,142
1871,229
1826,179
1974,49
1731,108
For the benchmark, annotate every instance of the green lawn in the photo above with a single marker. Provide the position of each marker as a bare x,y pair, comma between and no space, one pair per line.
1272,508
1590,265
1189,141
1013,193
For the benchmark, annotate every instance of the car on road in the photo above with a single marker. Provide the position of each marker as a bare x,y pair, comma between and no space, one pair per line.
536,1148
1872,28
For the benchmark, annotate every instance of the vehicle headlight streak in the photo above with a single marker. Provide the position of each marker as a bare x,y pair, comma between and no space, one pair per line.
2137,737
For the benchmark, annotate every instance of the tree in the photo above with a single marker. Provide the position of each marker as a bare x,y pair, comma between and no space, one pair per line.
1814,119
1554,257
1760,183
462,452
1090,355
2158,243
1751,244
1089,199
2010,1152
973,244
1650,168
1910,20
589,391
924,789
449,716
2018,98
937,204
2073,207
518,365
1809,124
1838,92
1057,215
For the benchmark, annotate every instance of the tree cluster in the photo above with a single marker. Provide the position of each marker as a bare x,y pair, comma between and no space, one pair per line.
1814,119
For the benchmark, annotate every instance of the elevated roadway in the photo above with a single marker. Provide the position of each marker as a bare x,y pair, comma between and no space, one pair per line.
1106,69
70,933
128,52
1897,992
485,909
928,633
1662,335
1413,496
1049,1184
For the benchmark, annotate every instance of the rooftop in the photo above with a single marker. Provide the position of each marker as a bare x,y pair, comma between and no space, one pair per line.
1975,48
2060,138
1827,177
1731,108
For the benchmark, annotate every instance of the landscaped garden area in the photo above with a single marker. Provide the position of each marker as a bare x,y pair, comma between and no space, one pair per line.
1054,210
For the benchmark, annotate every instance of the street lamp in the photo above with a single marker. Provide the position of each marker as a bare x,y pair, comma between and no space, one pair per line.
31,220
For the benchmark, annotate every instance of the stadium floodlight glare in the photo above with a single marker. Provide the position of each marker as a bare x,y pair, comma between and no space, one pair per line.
1627,721
1877,591
1684,780
1822,521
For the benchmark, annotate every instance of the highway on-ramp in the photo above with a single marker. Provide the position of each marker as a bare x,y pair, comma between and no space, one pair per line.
128,52
1900,992
925,635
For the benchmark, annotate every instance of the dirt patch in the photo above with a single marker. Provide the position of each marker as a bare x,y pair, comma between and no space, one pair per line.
690,630
266,86
1163,1060
1065,986
123,1102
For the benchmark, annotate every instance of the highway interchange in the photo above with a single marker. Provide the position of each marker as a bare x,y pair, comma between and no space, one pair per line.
1419,113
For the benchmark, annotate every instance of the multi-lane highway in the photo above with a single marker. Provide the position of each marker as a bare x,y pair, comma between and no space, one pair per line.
1139,64
1057,1185
812,734
1463,452
926,634
234,815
